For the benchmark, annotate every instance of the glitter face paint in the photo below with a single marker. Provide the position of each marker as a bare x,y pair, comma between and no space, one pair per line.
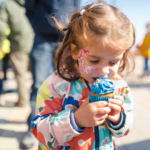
86,69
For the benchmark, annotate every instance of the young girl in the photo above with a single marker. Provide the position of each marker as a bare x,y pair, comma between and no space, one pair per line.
97,44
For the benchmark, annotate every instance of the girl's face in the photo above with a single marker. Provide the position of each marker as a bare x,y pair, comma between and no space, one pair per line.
102,61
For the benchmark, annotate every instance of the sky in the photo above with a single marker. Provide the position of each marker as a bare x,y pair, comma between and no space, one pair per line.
137,11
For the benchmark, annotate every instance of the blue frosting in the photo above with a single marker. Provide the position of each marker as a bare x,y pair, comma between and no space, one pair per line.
104,86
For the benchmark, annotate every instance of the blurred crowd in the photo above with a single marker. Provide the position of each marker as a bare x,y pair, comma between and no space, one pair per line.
28,35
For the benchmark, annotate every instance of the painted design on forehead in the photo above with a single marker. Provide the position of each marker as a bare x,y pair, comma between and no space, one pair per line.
86,69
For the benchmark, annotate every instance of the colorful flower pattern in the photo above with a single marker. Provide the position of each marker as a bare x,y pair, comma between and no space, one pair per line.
55,100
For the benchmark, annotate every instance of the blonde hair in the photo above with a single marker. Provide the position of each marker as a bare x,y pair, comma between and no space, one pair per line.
97,20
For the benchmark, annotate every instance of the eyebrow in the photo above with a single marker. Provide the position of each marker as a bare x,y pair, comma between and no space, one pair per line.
116,59
93,56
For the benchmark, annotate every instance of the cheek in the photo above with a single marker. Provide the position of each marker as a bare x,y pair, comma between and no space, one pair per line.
115,69
84,67
86,70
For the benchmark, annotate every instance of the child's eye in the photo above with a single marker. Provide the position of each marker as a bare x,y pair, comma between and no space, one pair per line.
112,63
94,61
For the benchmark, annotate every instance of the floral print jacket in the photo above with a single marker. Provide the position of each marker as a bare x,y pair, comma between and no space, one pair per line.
52,126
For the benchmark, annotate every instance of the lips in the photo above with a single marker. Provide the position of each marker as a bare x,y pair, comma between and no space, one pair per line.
95,78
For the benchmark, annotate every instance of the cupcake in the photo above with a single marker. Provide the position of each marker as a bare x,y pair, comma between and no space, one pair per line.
102,90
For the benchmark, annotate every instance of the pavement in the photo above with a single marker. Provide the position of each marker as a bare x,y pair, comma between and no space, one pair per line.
13,126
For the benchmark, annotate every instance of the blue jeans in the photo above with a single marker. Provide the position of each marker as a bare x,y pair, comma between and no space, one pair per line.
146,65
41,58
1,86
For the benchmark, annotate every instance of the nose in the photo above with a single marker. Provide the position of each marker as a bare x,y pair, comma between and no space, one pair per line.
103,70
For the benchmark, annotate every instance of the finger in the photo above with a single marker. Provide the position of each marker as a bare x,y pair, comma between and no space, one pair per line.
119,98
114,118
101,117
100,122
116,102
111,118
114,107
100,104
103,111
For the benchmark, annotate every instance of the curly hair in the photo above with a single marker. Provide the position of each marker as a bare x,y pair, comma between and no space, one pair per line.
97,20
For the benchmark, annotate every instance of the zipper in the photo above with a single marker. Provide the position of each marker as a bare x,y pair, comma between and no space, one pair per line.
95,128
96,138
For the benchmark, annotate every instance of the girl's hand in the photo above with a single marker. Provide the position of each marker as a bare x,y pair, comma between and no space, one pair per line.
91,114
115,105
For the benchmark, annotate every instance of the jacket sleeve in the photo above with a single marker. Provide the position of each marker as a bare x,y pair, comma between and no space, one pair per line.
51,125
127,111
4,19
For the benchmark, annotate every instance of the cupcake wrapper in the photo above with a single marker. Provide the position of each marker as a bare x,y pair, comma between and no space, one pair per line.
96,98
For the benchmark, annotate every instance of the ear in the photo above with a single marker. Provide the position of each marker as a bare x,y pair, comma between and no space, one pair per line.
74,55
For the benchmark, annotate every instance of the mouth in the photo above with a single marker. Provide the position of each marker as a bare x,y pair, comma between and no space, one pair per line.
95,78
104,77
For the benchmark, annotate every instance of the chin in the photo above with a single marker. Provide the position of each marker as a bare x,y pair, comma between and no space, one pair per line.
111,77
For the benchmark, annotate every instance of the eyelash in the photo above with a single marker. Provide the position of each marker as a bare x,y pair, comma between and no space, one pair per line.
94,62
97,61
112,64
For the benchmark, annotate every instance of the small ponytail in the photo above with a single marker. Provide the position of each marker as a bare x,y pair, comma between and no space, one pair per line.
63,59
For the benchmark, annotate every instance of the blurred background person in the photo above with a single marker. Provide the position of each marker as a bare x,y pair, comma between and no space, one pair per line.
145,51
12,16
46,41
4,57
